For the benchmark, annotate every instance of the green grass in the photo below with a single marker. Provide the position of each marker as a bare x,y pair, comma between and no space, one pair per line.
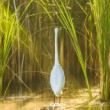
100,10
66,20
7,25
21,29
11,39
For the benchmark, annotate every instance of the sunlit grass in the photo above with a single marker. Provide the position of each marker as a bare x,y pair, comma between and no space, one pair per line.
100,10
66,20
11,40
7,25
23,39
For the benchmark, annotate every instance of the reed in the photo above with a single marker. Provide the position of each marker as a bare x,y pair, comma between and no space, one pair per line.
25,38
65,18
11,39
67,21
7,27
100,11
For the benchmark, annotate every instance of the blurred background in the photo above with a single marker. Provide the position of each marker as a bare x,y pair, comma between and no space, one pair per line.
27,46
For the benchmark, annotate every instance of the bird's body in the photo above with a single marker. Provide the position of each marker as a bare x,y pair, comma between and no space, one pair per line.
57,78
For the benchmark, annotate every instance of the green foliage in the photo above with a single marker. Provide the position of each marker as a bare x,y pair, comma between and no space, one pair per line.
17,31
67,21
100,10
10,37
7,33
64,16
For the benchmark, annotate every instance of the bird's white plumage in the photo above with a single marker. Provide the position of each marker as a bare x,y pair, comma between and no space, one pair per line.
57,78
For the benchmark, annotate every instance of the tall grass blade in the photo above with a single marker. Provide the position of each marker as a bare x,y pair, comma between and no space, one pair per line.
100,10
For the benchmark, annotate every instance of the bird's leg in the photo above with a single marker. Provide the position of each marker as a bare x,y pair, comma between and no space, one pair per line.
59,99
54,98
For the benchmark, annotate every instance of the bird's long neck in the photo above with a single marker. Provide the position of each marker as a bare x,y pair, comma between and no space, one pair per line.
56,46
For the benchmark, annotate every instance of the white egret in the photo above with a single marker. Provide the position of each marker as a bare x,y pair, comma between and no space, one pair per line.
57,78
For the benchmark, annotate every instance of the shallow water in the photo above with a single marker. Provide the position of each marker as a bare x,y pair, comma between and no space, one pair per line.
74,101
36,104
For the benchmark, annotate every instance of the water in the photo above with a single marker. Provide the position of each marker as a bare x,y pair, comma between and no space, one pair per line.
29,103
73,101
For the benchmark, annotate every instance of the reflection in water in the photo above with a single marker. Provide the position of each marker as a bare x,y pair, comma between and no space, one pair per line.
31,103
74,101
101,106
37,104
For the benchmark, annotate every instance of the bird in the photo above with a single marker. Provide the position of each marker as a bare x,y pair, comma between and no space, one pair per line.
57,77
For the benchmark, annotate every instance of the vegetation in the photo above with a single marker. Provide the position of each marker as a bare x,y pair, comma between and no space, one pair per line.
100,11
10,41
65,18
7,33
26,42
